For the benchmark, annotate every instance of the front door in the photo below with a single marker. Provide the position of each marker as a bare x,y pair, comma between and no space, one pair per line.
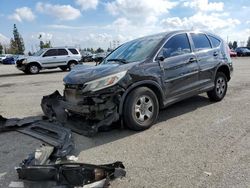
180,66
49,58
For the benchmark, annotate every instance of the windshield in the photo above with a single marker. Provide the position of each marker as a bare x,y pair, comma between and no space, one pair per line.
136,50
38,53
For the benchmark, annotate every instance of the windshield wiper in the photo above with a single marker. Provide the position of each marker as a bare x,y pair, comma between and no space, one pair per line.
119,60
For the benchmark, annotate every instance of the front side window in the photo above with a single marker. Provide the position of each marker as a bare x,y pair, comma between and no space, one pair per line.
177,45
201,42
62,52
51,52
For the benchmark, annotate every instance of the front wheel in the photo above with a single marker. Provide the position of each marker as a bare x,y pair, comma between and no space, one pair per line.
220,88
33,69
141,109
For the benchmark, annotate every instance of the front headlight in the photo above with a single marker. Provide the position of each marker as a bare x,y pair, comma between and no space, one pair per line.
24,61
104,82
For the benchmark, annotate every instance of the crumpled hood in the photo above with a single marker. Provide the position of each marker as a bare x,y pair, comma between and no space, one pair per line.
84,73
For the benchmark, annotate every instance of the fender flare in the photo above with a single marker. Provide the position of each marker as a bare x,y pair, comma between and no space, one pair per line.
223,65
145,83
72,60
36,62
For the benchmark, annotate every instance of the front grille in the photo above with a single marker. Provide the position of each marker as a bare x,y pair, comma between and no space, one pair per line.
73,95
74,86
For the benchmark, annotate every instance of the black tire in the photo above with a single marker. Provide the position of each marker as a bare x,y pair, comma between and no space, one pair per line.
220,88
71,64
33,68
136,109
63,68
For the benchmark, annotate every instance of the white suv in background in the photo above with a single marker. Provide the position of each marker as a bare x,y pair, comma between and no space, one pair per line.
49,58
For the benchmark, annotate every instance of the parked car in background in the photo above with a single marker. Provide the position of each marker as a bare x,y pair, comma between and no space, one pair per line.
145,75
49,58
242,51
87,56
3,56
232,53
100,56
9,60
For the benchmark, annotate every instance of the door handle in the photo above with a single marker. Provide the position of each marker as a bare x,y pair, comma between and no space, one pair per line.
191,60
54,57
216,53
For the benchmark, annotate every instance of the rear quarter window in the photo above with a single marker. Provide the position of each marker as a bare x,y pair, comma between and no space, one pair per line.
215,42
201,41
73,51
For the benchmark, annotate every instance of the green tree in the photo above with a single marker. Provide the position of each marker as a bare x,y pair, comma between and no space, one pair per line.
235,44
230,44
13,47
99,50
248,42
45,45
16,43
1,48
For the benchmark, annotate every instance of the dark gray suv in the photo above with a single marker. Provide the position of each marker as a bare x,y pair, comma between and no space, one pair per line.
142,76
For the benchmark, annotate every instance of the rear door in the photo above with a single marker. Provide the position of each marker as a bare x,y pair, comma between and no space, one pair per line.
207,56
49,58
62,57
180,66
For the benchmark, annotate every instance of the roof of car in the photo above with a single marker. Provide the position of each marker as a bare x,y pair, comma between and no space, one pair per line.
170,33
60,47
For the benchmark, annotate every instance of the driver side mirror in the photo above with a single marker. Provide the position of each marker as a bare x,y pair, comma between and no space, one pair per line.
161,58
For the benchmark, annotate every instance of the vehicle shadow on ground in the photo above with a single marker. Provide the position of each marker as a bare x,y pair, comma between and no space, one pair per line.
175,110
40,73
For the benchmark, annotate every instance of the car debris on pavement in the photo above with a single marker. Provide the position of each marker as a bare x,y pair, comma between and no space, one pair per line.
52,162
41,166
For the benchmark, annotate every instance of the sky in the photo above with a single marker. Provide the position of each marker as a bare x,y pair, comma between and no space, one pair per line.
101,23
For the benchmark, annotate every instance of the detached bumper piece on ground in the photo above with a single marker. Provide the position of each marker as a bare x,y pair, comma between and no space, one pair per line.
39,167
53,134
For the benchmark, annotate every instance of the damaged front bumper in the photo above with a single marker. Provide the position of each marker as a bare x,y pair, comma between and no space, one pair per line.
91,110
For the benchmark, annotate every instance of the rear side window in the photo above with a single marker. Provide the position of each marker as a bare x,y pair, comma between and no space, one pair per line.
51,52
73,51
62,52
216,42
201,42
177,45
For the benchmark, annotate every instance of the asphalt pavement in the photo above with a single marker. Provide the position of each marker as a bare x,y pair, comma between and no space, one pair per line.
195,143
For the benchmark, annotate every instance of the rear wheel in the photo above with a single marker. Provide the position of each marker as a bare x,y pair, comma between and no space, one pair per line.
63,68
141,109
220,88
33,69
